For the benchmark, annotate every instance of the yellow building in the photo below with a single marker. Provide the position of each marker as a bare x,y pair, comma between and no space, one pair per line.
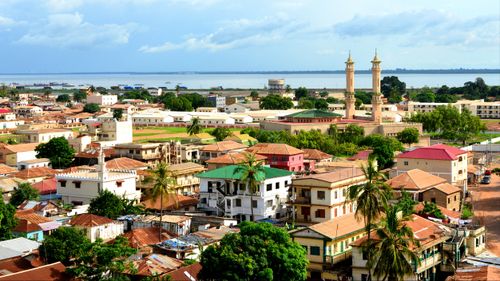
321,197
328,243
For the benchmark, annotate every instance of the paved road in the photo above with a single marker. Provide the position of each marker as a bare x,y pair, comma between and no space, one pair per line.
486,201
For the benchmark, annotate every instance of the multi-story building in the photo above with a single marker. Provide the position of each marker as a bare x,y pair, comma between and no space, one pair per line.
440,160
424,186
281,156
28,111
185,177
220,148
217,101
102,99
328,243
108,129
81,186
44,135
223,193
480,108
11,154
322,197
431,236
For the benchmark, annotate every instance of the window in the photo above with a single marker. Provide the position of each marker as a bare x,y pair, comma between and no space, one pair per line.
320,195
335,194
269,187
269,203
119,183
455,199
365,255
63,183
335,212
237,203
314,251
344,192
228,202
277,185
254,203
77,184
405,163
364,277
286,183
320,213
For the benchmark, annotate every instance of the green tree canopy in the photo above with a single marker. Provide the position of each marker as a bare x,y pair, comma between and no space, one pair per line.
393,89
63,98
364,97
425,94
406,203
254,95
321,104
79,96
259,252
7,220
58,151
221,133
194,128
383,149
408,136
104,261
106,204
118,113
64,244
432,210
91,108
301,92
24,191
275,102
306,103
139,95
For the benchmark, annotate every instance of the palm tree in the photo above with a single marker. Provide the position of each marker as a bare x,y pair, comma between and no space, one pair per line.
393,256
163,185
195,127
252,172
371,199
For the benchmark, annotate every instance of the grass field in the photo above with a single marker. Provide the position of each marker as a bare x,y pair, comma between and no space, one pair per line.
6,137
154,131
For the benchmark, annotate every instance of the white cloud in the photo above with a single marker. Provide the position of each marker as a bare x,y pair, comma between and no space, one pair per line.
235,34
425,27
70,30
4,21
63,5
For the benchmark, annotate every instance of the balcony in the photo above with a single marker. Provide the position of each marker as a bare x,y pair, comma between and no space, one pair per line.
302,200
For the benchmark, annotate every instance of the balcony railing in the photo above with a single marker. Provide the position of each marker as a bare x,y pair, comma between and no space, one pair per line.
302,200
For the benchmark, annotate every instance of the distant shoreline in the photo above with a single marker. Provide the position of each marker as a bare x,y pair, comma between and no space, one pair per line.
388,71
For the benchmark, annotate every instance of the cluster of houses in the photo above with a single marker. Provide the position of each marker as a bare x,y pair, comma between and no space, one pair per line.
306,188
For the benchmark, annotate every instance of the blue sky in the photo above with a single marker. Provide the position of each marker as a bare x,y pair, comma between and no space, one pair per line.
239,35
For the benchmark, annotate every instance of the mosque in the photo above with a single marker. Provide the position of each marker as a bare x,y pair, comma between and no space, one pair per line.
321,120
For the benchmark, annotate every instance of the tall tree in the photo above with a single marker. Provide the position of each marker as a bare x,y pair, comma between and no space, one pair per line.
254,95
24,191
408,136
79,96
393,257
195,127
118,114
106,204
221,133
370,198
252,173
275,102
58,151
104,261
392,88
63,244
7,220
63,98
301,92
260,251
91,108
163,185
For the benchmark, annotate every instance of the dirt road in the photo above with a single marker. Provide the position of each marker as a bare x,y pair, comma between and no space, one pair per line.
486,201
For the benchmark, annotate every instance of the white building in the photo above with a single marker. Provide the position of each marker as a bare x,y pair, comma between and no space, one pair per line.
82,186
485,110
97,227
155,91
33,163
108,129
241,118
207,109
216,120
223,193
44,135
236,108
28,111
102,99
151,118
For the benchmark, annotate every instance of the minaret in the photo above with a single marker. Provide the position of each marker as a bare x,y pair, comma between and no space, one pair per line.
350,100
377,96
102,172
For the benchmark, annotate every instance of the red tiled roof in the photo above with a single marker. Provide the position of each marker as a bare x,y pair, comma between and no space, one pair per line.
233,158
449,213
315,154
274,149
361,155
49,272
89,220
5,110
415,179
25,226
35,173
47,186
182,273
483,273
124,163
30,216
22,147
223,146
433,152
141,237
4,169
15,264
171,202
94,153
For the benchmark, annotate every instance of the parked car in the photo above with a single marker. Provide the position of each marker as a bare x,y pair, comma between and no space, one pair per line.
486,180
487,172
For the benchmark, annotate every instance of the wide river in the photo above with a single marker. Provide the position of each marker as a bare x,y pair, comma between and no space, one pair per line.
257,81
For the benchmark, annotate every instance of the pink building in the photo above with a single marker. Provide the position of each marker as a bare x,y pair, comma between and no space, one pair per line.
282,156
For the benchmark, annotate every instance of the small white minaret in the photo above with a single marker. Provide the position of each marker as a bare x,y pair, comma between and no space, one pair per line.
102,172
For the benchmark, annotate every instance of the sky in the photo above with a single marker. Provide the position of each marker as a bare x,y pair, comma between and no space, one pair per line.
52,36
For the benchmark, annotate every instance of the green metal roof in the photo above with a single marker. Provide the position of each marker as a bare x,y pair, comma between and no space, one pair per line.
313,113
230,173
